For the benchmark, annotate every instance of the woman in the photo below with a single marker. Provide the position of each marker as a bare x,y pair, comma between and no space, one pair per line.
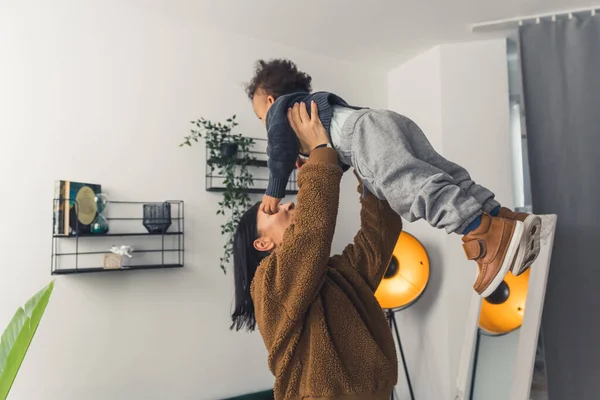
325,333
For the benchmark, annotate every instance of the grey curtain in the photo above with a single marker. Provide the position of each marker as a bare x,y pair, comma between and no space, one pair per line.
561,79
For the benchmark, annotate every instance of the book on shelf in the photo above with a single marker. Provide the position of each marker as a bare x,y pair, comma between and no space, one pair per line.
74,207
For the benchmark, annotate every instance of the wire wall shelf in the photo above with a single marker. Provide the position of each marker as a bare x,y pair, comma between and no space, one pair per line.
257,167
79,250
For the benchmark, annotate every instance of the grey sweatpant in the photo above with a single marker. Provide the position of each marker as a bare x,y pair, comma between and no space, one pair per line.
397,163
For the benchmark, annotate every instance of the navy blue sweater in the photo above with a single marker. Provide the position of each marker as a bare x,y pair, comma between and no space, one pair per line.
282,144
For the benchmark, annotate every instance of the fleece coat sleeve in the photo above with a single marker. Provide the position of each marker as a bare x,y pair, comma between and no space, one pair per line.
299,265
371,251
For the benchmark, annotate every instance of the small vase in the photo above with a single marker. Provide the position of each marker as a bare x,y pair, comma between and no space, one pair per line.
100,225
157,217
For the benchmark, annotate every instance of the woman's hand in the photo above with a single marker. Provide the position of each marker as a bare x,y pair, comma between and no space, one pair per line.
300,162
309,130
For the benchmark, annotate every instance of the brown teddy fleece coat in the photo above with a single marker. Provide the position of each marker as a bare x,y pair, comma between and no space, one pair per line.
326,335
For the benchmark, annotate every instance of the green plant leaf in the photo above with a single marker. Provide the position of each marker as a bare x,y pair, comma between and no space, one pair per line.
18,335
233,170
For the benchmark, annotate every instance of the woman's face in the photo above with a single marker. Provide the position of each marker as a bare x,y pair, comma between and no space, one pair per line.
272,227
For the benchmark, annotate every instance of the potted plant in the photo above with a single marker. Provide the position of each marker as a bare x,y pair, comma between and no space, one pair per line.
229,154
229,149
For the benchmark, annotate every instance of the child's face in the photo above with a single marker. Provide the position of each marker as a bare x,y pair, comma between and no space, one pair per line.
261,102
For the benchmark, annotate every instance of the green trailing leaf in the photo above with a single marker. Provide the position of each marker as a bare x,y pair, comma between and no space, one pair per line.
234,170
18,335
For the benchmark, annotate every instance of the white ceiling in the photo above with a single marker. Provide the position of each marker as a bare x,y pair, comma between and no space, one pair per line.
376,31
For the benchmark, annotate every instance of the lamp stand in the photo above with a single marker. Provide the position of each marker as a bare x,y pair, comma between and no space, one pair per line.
391,316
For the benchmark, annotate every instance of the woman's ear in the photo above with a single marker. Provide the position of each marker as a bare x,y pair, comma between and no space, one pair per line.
264,244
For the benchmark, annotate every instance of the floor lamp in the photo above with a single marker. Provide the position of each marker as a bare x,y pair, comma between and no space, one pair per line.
404,282
502,312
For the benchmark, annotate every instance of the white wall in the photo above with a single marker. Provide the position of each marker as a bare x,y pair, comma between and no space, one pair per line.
97,93
476,123
415,90
103,93
458,94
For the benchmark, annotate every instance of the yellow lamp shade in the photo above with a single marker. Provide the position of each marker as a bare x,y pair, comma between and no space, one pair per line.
407,274
503,311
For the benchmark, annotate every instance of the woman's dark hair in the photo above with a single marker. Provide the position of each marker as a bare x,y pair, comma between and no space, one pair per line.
278,77
245,262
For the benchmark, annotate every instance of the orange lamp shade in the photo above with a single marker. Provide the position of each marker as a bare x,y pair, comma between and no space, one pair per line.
407,275
503,311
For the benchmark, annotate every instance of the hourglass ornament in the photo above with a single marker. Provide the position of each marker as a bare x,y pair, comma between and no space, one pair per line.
100,224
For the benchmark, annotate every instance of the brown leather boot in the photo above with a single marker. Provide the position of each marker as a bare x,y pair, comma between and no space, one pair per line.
493,246
529,248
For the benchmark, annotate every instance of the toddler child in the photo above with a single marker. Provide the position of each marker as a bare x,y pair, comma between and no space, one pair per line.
397,163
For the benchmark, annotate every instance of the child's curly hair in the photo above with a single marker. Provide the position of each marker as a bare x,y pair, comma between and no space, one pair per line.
278,77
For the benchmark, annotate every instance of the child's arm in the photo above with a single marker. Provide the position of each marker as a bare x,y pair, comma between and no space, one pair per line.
282,150
269,205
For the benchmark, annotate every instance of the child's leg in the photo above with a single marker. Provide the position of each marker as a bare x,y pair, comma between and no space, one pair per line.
425,151
393,166
529,247
530,243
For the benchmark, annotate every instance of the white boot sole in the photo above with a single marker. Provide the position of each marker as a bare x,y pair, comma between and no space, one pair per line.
529,248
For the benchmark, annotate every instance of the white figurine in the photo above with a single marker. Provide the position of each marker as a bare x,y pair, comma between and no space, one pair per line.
122,250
